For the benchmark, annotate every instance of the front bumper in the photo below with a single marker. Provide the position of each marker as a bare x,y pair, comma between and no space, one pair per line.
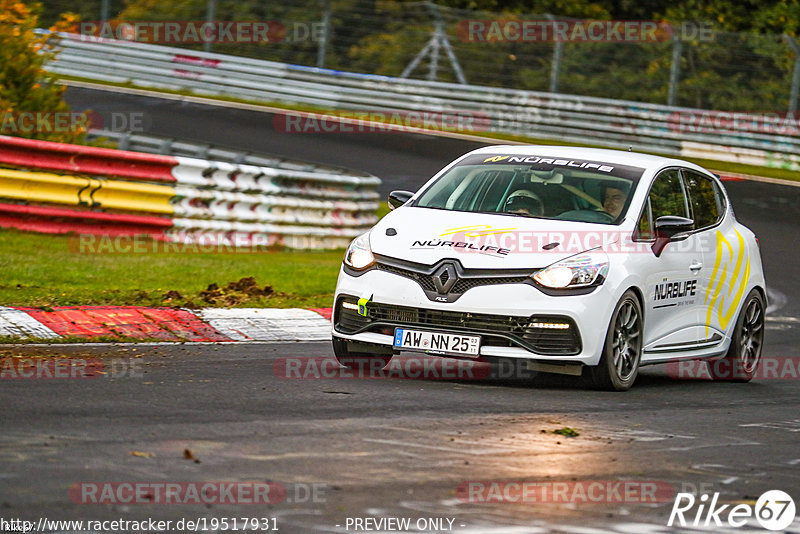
514,320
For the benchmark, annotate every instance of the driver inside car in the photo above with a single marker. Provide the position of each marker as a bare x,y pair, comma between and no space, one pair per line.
524,202
614,198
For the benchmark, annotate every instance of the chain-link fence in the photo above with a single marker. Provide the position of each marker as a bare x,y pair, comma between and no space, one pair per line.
685,65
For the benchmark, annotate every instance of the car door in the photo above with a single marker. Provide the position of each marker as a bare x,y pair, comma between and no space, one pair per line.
724,256
672,280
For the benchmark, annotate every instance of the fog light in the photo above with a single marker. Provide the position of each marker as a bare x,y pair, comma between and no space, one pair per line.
551,326
350,306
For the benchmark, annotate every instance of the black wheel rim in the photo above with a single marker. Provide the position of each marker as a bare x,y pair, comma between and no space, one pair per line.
752,336
626,342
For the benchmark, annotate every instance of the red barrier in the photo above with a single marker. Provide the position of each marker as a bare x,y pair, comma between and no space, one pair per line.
65,220
164,324
33,154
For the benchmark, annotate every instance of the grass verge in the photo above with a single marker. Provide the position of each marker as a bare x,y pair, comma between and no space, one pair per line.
44,271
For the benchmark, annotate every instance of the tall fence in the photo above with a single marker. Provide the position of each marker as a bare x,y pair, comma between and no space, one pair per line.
684,64
60,188
757,139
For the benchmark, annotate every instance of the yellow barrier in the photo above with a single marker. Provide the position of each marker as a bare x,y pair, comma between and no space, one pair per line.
41,187
134,196
90,192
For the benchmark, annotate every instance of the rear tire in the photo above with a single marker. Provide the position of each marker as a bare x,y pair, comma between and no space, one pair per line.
622,351
744,354
364,361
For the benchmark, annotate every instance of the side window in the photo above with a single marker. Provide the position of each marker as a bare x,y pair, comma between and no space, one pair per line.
666,195
703,199
644,228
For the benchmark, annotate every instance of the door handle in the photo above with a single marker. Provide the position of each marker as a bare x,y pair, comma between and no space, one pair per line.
696,266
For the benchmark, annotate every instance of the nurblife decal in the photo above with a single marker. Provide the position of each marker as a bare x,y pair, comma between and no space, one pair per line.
459,240
477,230
728,272
674,293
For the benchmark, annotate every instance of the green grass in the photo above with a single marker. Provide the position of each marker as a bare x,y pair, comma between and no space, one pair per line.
45,271
720,166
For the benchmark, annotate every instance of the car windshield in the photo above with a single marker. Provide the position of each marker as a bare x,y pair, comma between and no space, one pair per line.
535,186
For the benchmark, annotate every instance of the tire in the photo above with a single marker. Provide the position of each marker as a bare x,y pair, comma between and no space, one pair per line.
744,354
622,350
364,361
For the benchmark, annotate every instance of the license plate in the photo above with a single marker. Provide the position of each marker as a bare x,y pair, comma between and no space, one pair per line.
437,342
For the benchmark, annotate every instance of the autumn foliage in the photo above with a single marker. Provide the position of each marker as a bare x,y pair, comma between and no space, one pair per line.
26,89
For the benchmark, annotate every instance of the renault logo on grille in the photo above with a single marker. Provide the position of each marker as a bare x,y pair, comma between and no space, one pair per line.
445,278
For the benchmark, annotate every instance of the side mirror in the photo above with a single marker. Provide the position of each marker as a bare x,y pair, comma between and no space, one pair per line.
667,227
398,198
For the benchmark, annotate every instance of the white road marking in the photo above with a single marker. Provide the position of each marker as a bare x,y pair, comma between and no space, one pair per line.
791,426
782,319
640,435
478,452
776,300
707,445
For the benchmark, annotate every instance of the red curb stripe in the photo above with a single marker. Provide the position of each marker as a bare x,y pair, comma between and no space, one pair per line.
325,312
139,322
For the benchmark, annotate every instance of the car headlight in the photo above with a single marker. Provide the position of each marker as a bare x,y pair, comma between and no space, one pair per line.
582,270
359,253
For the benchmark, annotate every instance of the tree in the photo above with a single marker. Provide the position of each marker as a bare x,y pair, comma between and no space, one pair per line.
31,103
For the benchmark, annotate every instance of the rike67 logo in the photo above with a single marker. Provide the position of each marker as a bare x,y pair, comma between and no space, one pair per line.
774,510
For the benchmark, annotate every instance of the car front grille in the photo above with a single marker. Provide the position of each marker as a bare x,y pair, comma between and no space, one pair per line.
542,334
461,286
424,280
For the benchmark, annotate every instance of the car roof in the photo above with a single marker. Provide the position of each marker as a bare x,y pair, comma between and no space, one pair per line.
621,157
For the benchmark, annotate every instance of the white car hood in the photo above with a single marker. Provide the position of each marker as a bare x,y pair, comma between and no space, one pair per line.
481,241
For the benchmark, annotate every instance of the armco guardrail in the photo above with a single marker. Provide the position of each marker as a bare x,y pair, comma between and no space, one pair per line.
175,198
647,127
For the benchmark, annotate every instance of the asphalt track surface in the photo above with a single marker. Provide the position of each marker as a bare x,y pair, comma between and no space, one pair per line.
396,447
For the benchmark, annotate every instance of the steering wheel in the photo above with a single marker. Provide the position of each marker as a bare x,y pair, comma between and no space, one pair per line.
608,216
587,216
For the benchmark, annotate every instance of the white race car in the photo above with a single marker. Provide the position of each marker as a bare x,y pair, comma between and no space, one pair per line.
574,260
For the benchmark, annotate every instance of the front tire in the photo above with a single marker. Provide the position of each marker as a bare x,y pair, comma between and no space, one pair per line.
622,351
364,361
744,354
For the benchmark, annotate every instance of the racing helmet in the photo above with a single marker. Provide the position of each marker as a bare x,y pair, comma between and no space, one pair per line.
524,200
